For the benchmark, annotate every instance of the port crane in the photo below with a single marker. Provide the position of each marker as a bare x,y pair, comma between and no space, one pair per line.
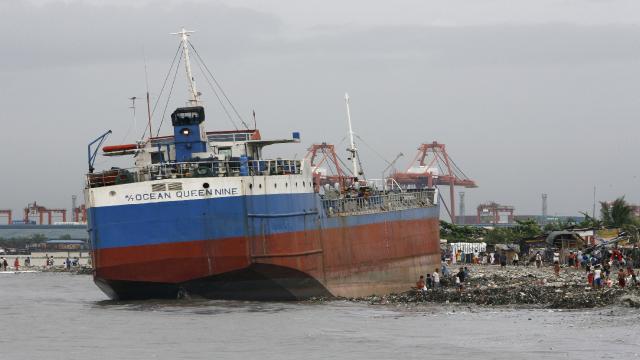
432,166
35,210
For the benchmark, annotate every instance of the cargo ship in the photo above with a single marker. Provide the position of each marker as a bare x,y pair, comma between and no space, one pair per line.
205,214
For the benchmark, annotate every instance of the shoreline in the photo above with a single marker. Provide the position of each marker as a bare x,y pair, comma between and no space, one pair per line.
490,285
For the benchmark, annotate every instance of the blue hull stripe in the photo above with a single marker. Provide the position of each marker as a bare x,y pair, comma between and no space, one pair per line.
179,221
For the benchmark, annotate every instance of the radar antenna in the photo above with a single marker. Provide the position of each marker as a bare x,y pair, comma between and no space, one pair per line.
184,39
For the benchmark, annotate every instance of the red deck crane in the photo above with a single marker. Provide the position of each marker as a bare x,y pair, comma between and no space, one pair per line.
433,166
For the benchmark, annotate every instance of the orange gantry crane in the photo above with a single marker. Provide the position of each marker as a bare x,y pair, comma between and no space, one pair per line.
494,213
80,214
7,214
326,166
35,210
432,166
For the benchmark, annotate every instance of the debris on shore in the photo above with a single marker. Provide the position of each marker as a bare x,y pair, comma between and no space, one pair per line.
76,270
518,285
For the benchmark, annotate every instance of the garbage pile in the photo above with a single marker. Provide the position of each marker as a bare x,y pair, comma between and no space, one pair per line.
492,285
78,270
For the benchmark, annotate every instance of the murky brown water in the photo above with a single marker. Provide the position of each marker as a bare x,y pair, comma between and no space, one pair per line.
62,316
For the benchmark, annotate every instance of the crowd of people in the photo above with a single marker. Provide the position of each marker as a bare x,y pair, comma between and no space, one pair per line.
603,267
49,262
479,257
437,280
4,264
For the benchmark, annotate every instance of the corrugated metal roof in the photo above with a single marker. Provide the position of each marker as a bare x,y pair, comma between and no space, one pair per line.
66,242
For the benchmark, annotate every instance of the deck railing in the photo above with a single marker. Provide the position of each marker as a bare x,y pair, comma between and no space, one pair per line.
226,168
379,203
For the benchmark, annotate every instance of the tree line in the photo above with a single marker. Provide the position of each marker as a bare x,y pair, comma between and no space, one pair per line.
615,214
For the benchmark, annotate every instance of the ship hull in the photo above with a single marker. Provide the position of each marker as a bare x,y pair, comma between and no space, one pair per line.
268,247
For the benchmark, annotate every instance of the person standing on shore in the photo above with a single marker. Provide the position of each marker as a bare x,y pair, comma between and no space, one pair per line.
460,279
27,262
578,259
436,279
633,280
515,259
607,267
445,270
538,260
635,256
621,278
5,264
420,285
16,264
597,277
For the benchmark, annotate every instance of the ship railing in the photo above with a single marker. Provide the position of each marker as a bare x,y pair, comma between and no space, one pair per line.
379,203
194,169
387,184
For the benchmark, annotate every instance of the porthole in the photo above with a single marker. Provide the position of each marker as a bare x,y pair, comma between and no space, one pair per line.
275,186
260,186
250,186
286,185
296,184
112,193
205,185
303,184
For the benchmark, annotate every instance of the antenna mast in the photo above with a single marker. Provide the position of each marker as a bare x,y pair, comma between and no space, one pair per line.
184,39
133,107
353,150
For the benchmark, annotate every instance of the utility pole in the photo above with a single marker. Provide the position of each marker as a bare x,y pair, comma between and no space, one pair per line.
544,209
593,211
74,200
462,209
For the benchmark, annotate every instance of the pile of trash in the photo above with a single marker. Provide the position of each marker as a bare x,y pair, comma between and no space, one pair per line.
78,270
492,285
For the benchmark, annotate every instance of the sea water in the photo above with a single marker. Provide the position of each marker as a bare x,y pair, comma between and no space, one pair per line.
65,316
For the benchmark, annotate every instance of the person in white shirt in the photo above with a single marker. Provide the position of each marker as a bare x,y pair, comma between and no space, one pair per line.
436,279
597,276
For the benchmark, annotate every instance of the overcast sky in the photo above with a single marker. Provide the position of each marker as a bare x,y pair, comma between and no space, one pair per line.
530,97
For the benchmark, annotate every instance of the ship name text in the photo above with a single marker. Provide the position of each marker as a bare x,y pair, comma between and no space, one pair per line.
181,194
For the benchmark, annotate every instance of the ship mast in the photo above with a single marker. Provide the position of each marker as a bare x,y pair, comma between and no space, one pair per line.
353,150
184,39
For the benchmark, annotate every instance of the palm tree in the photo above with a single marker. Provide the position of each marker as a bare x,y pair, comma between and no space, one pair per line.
617,213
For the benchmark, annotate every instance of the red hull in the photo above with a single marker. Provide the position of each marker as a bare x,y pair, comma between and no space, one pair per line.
345,261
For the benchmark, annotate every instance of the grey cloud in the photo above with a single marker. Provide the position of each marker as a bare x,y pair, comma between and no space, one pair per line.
523,109
79,34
